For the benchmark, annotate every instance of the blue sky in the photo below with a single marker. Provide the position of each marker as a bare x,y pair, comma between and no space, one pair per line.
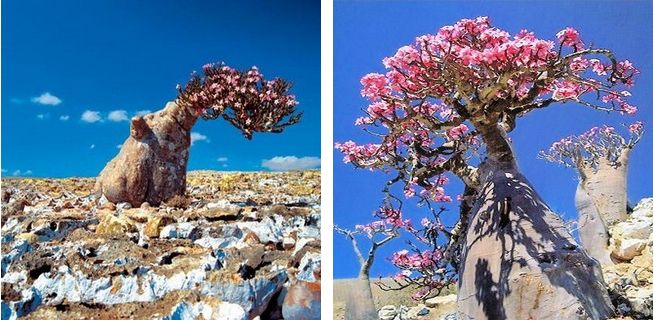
366,32
105,56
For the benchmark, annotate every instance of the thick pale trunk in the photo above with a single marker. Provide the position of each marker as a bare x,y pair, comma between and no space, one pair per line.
151,164
593,231
601,201
360,304
519,261
607,186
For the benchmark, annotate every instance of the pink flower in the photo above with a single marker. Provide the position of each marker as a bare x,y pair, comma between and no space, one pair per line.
381,109
628,109
457,132
567,90
636,127
374,86
569,37
598,67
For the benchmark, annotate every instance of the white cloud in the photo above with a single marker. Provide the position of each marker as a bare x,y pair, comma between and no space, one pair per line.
288,163
46,99
92,146
119,146
142,112
4,170
117,115
64,117
222,159
225,165
197,137
40,116
18,172
91,116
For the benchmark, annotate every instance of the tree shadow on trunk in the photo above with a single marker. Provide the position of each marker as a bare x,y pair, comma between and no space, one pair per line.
527,264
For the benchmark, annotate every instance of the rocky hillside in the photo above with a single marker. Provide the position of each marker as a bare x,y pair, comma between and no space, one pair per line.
240,245
630,278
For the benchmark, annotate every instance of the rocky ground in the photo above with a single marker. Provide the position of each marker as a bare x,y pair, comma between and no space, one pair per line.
240,245
397,304
630,278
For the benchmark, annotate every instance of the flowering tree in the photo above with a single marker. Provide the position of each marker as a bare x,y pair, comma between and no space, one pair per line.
151,165
360,305
600,156
452,97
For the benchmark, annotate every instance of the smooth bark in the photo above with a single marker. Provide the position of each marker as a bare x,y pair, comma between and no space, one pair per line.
151,164
593,232
360,304
519,261
601,201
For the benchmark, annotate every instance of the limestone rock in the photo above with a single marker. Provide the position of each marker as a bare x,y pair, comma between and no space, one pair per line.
630,279
441,301
180,231
627,249
91,260
388,312
154,224
110,224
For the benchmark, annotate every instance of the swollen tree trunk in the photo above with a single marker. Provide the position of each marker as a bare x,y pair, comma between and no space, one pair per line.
151,164
360,304
519,261
601,201
593,232
607,186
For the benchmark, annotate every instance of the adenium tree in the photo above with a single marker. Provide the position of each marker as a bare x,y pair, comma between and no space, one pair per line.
151,164
460,91
601,157
360,304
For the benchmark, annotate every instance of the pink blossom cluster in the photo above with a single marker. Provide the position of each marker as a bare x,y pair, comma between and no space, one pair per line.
570,37
371,228
244,98
394,218
412,261
358,153
592,145
457,132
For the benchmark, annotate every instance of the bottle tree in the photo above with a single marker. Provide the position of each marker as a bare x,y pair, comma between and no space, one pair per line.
151,164
465,86
360,304
601,157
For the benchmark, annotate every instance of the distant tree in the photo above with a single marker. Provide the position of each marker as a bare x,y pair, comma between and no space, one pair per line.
601,157
360,304
151,165
446,105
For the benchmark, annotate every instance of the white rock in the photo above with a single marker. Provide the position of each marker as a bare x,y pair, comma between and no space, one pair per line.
308,265
640,300
230,311
220,204
441,300
644,209
252,295
268,230
123,206
185,230
387,312
629,248
634,229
